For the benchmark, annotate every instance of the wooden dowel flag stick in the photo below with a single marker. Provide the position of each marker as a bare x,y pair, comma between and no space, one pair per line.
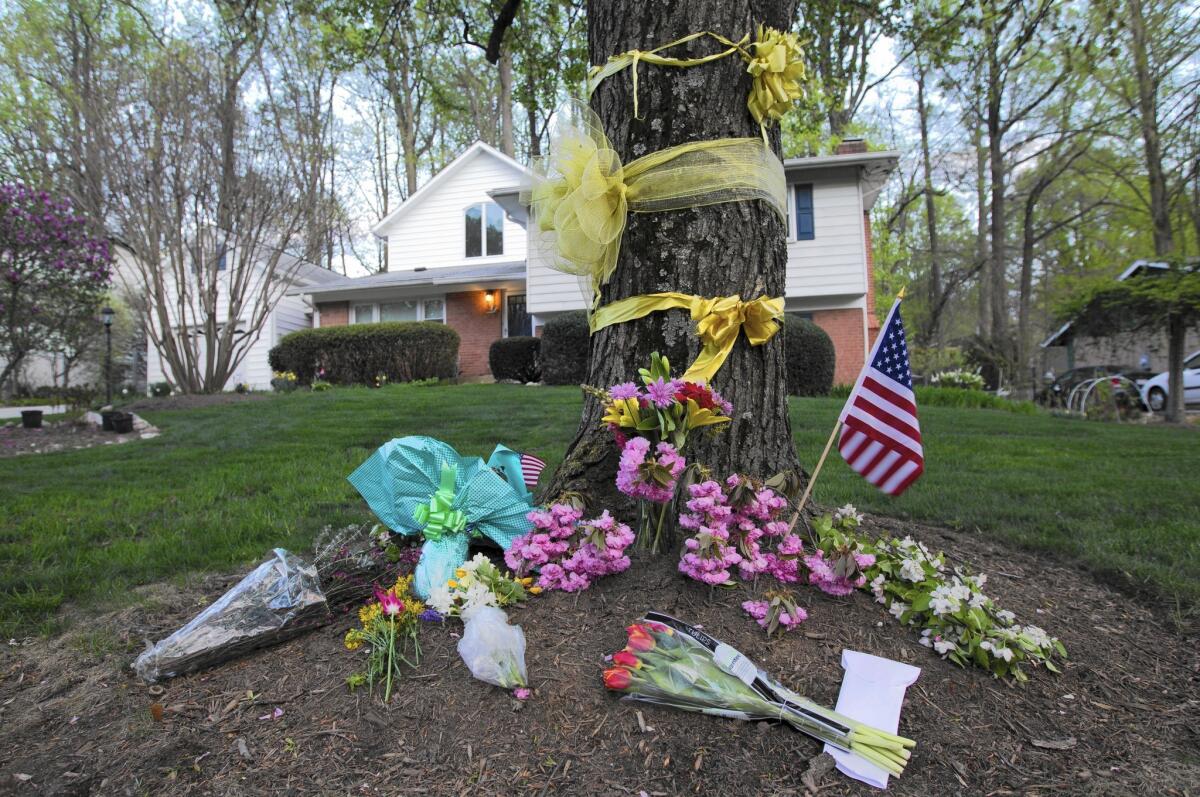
808,488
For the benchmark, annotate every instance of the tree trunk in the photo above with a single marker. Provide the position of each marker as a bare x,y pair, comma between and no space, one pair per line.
717,250
506,105
997,287
1176,340
933,331
1147,104
981,239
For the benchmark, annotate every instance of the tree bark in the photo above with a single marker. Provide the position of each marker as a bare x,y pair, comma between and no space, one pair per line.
998,287
1147,104
933,333
717,250
506,104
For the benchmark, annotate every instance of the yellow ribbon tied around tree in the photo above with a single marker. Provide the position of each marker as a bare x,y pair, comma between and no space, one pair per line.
718,322
582,192
774,59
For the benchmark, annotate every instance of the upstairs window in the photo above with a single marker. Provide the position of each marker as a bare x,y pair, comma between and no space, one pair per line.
805,231
484,229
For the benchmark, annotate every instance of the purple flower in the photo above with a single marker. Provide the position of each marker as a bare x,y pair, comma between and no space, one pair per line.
662,393
431,616
625,390
647,477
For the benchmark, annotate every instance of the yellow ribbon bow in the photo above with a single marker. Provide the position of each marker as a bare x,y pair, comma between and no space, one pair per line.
582,193
718,322
775,60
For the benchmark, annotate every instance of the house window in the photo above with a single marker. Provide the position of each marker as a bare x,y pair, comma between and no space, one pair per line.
805,231
484,229
435,310
398,311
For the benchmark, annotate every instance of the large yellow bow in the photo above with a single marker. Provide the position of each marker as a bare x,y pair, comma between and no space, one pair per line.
582,193
718,322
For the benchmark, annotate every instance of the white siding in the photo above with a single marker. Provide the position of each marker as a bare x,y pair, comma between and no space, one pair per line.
550,290
834,262
827,272
432,233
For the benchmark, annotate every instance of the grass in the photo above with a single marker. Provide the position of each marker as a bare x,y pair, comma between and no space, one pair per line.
224,484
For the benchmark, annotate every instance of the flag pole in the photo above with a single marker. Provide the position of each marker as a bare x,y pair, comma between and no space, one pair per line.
816,472
828,445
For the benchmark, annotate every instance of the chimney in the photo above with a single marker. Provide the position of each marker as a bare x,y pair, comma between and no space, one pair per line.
851,146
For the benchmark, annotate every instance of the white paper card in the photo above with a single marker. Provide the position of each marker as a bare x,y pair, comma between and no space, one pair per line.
872,692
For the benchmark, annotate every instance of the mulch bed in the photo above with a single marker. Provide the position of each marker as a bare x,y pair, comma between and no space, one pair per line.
56,436
1120,720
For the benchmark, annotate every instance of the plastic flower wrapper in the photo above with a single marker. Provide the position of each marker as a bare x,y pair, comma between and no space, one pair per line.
419,485
670,663
493,650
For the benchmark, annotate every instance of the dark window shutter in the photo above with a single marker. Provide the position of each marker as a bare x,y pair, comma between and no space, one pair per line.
804,213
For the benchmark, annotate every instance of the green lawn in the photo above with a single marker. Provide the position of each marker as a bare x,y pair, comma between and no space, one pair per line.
222,485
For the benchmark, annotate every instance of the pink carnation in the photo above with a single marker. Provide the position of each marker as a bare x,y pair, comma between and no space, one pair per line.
630,472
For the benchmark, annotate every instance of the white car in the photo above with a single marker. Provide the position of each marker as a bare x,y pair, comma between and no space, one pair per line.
1154,391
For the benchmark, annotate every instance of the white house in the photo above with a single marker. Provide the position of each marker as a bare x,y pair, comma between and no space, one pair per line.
459,253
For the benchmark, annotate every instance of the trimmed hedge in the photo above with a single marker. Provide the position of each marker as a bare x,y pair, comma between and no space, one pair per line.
809,357
515,358
566,342
354,355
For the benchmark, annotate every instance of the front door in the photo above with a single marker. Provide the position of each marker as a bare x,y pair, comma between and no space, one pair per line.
518,320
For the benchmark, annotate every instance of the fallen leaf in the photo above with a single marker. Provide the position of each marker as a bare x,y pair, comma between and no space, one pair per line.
1054,744
21,776
156,711
242,749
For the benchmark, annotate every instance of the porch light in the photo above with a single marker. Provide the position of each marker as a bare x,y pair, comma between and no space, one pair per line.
489,299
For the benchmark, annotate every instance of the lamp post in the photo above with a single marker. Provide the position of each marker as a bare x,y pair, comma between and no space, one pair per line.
107,315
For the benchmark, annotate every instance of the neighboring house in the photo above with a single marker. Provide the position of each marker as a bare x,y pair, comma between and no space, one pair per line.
290,313
1143,351
459,253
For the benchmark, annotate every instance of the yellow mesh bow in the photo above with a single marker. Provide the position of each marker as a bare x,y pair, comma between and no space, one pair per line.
775,60
582,193
718,322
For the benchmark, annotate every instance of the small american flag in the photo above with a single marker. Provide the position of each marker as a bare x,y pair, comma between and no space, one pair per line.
880,437
531,468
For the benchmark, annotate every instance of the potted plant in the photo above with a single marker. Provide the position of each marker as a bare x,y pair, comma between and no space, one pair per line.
31,419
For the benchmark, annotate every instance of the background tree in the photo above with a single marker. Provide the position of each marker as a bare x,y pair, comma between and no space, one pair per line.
1151,302
52,271
717,250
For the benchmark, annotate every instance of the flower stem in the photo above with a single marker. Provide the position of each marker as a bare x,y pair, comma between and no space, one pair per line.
662,514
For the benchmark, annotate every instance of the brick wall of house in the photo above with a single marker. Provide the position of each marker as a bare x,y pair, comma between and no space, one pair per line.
467,314
845,329
334,314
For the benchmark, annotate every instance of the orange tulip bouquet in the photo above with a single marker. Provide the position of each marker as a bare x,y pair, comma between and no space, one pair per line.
670,663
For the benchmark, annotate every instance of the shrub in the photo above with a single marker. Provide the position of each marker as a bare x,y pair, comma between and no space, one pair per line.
160,389
320,385
369,354
808,356
515,358
961,379
566,342
957,397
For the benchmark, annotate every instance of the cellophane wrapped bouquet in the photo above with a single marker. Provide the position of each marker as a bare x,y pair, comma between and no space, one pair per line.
670,663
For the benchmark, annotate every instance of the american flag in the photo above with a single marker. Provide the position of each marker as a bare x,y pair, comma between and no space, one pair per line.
531,468
880,437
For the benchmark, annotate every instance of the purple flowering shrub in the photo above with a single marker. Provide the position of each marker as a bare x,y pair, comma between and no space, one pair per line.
567,552
52,271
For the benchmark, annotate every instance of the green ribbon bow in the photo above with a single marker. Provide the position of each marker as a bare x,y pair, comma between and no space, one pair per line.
439,517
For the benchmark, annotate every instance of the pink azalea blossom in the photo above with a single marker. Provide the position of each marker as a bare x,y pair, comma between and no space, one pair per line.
631,472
